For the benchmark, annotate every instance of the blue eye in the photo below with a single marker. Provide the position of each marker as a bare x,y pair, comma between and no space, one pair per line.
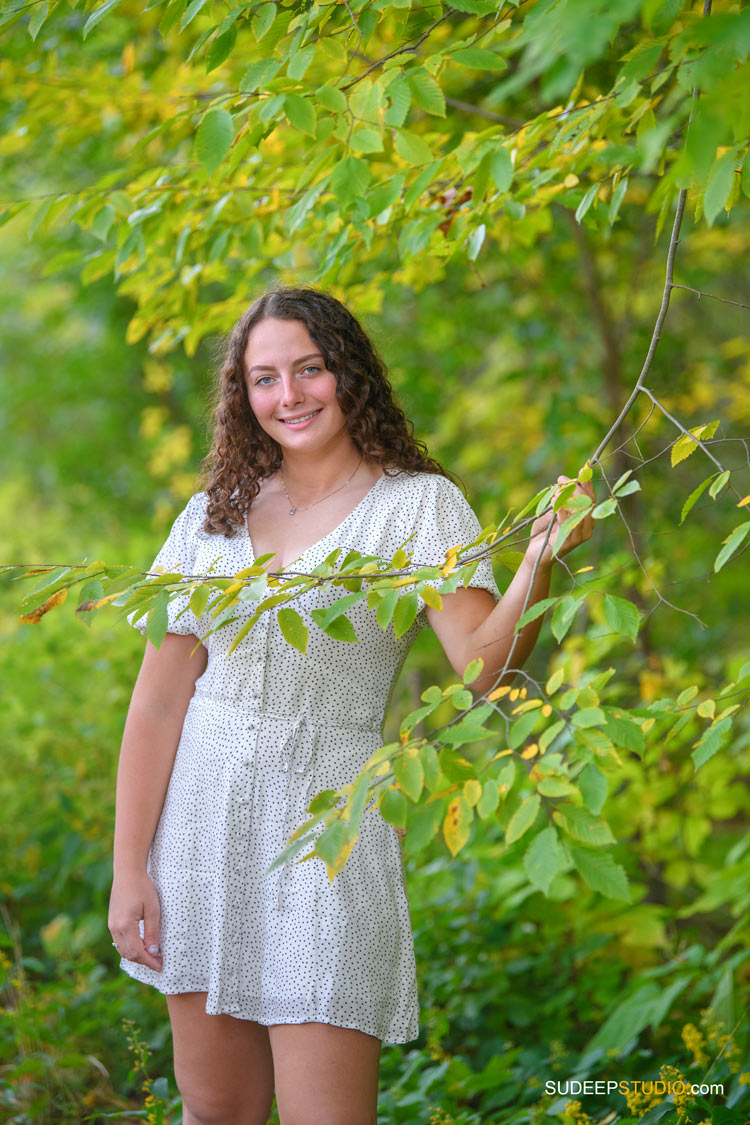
311,367
260,381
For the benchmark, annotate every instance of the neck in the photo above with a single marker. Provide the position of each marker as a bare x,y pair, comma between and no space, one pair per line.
308,475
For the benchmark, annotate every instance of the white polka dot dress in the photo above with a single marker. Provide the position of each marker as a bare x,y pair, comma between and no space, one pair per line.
266,729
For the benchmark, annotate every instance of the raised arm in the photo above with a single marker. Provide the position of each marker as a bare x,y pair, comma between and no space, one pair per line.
470,625
162,692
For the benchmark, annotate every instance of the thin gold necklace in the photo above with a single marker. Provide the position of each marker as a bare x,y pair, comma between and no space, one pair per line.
297,508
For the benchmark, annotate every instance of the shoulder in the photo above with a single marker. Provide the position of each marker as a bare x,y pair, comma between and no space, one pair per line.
421,490
189,522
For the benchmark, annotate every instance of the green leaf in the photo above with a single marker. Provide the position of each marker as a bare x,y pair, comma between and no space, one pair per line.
427,93
731,544
331,98
501,167
220,49
694,496
719,185
535,611
199,599
563,616
544,858
350,179
626,733
412,148
191,12
37,18
331,844
394,807
473,670
475,241
479,58
605,509
586,202
522,818
490,798
99,14
601,872
621,616
366,140
298,65
617,197
407,769
422,824
522,728
300,113
399,93
340,628
718,484
405,613
582,826
556,786
263,19
214,138
157,619
593,786
257,75
711,742
294,629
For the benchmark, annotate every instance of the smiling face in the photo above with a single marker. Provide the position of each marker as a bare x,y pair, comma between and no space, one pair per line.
291,393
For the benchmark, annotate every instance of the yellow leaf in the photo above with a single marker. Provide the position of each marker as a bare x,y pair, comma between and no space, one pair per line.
685,445
546,710
743,501
456,824
647,724
498,693
431,597
584,569
707,709
570,180
383,769
37,614
530,751
472,790
514,694
502,754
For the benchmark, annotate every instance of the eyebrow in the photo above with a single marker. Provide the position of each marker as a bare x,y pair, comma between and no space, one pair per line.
265,367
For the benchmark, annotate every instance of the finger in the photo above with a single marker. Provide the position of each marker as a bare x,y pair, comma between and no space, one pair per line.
151,948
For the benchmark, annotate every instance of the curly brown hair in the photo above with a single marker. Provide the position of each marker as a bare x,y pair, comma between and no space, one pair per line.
242,453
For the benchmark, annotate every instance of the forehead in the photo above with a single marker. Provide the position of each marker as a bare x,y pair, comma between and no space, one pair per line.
274,341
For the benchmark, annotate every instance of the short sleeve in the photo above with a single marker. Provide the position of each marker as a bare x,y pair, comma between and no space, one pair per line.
177,555
445,519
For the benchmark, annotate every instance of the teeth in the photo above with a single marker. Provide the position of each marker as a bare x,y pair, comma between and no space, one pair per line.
291,421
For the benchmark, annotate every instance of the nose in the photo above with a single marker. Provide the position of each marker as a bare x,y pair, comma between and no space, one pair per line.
291,391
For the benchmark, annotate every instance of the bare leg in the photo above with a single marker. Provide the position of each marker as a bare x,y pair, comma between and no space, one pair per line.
223,1065
325,1075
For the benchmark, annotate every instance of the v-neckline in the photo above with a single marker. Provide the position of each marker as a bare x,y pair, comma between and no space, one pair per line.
323,538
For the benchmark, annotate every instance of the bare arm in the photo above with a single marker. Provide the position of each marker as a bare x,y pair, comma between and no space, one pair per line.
470,624
162,692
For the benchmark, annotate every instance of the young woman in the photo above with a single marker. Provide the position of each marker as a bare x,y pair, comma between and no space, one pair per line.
283,981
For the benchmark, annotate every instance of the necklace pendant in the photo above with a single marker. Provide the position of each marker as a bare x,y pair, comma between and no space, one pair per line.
292,511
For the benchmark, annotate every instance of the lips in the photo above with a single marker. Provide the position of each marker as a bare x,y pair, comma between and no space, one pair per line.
300,418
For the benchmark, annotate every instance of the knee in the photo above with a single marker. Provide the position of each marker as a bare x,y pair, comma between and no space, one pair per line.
206,1106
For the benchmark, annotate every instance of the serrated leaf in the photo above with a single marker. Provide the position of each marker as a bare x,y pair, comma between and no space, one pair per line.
718,484
199,599
365,139
331,98
157,619
522,818
294,629
412,148
626,733
37,18
263,19
220,48
711,742
582,826
479,58
472,791
214,138
191,12
427,93
621,616
299,63
350,179
399,93
300,113
339,629
601,872
333,846
719,185
422,825
593,786
522,728
685,446
555,786
258,75
544,858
